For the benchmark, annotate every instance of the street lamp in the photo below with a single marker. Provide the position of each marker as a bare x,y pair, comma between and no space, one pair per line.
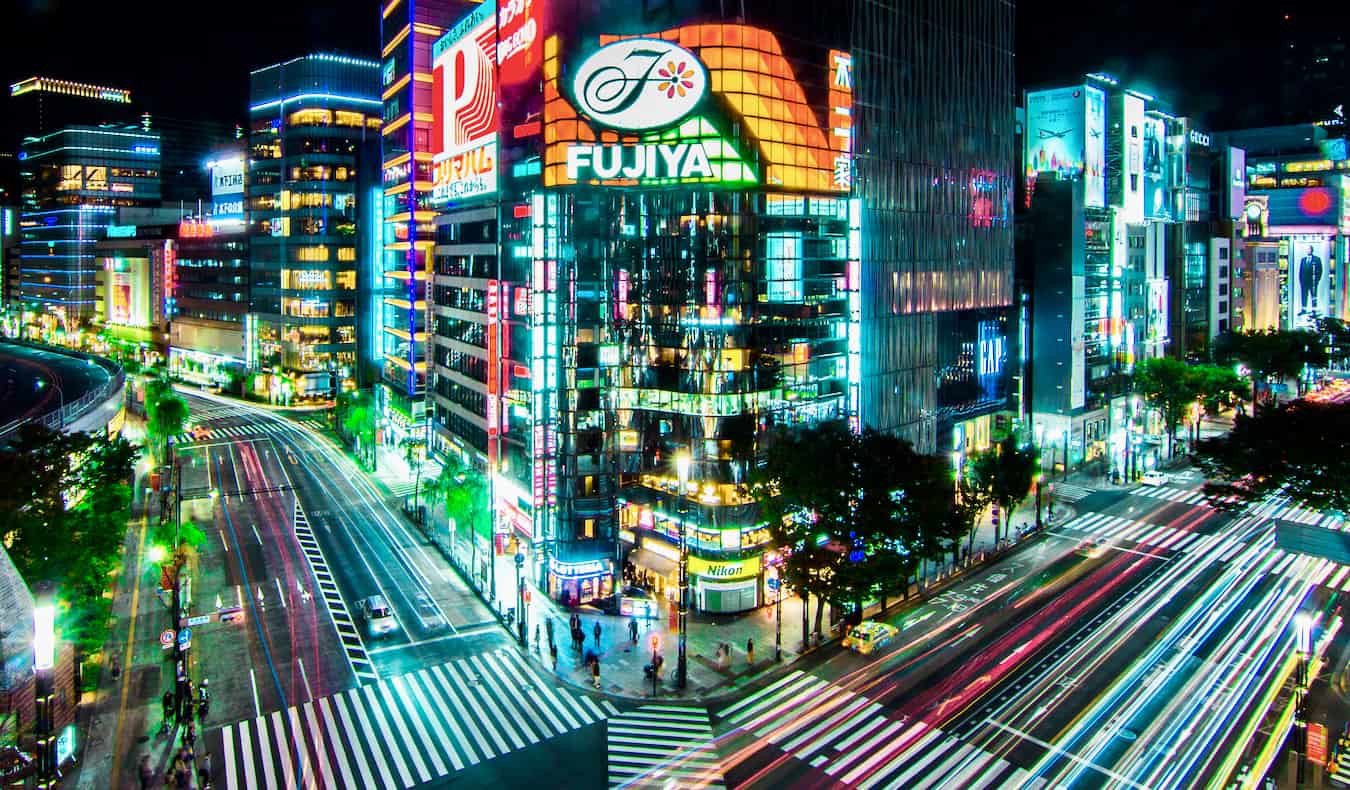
682,464
40,383
520,598
1303,633
44,659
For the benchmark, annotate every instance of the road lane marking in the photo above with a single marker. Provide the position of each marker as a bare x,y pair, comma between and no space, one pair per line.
305,678
253,681
280,592
255,533
1058,752
223,541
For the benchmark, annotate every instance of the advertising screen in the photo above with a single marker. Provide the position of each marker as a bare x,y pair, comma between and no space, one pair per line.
1054,131
127,291
1156,205
1307,206
1309,280
227,189
719,105
520,40
1237,182
464,109
1132,111
1094,149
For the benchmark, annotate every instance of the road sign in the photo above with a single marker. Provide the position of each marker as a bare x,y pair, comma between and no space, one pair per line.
771,583
231,613
1317,743
520,559
201,619
166,639
185,637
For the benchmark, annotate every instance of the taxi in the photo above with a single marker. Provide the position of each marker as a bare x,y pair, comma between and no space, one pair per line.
869,635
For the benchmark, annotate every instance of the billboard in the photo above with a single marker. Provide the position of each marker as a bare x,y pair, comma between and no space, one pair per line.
1132,129
1156,204
1054,132
718,105
1094,148
127,292
1237,182
1301,207
227,188
1309,280
464,109
520,40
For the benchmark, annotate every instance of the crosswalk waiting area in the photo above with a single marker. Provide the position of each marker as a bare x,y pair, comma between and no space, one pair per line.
663,746
859,743
404,731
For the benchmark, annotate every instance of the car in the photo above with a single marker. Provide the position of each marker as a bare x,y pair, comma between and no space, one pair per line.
869,635
637,602
1091,548
377,616
1155,479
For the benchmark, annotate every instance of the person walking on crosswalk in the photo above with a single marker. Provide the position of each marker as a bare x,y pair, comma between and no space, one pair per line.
596,631
633,628
553,653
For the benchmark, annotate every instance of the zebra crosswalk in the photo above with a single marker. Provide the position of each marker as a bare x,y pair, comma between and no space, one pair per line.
1070,492
403,731
1101,525
1311,570
218,432
859,743
660,746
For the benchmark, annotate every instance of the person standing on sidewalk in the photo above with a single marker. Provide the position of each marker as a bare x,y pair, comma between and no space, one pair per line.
167,702
595,671
633,628
596,631
750,651
147,773
204,772
548,626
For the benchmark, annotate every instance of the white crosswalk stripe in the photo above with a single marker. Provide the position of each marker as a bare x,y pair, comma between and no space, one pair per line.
857,741
660,746
414,728
1069,492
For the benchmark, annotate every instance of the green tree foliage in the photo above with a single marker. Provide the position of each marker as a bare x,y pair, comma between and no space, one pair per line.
166,414
1272,355
1002,475
1167,385
356,412
1301,448
854,514
1335,335
63,517
462,491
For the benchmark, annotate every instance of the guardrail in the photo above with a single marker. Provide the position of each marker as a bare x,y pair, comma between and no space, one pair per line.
62,416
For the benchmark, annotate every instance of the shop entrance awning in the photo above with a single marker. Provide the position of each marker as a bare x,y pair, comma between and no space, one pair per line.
653,562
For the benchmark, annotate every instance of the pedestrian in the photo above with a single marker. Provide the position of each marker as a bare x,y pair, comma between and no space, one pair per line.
657,663
204,773
190,740
181,776
595,672
536,637
553,654
167,702
750,651
147,773
596,631
633,628
548,626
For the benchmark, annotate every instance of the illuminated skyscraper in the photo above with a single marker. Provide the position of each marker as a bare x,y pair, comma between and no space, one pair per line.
81,158
312,159
408,28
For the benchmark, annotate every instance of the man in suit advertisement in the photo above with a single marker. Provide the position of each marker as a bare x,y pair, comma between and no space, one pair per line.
1311,281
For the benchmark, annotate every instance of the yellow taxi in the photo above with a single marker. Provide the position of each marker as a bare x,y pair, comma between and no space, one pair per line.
869,635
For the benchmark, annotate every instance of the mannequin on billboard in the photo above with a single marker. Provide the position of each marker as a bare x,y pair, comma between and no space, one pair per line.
1309,277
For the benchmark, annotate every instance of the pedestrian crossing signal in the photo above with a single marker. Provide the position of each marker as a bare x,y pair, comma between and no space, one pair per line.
656,642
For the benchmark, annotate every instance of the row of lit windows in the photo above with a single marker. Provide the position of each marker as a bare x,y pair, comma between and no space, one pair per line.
318,279
317,308
322,117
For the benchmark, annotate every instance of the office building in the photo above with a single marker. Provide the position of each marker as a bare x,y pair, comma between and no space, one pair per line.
1314,58
408,29
1128,251
761,243
77,169
312,214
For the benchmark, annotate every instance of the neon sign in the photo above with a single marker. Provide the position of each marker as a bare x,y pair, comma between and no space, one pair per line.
464,109
639,84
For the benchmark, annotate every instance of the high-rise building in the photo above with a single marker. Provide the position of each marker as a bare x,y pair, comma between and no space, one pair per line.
79,163
408,29
312,211
755,232
1314,53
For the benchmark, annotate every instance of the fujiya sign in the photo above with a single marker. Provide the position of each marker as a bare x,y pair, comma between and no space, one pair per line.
666,160
640,83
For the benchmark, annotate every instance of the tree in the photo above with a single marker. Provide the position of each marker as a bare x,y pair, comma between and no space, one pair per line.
1003,474
462,492
1301,449
357,422
854,514
1166,385
1272,354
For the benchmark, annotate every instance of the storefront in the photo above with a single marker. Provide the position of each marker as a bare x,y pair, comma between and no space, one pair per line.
656,566
725,586
578,582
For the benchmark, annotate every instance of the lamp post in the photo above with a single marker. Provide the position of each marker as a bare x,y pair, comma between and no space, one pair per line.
520,598
44,659
778,618
60,393
1303,633
682,464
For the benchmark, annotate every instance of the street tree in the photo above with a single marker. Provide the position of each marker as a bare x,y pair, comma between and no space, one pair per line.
1167,385
1003,474
461,490
1300,449
357,422
1272,355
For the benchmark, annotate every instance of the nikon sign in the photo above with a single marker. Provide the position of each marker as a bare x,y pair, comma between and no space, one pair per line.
725,570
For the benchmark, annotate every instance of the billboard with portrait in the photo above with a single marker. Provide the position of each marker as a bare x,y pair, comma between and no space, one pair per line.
464,109
1309,280
1094,148
1055,132
1156,204
1132,130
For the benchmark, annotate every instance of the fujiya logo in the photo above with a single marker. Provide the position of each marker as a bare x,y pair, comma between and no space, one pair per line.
641,83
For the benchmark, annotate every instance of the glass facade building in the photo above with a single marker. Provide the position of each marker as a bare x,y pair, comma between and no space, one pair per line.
312,158
795,224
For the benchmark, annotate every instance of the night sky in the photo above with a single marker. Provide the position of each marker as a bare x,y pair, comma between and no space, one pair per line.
1206,58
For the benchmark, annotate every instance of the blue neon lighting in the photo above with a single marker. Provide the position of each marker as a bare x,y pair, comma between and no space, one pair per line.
303,96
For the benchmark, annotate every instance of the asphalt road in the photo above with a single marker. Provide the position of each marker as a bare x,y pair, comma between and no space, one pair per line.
28,377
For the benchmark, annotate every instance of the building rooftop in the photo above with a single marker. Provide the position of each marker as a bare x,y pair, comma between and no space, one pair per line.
68,88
